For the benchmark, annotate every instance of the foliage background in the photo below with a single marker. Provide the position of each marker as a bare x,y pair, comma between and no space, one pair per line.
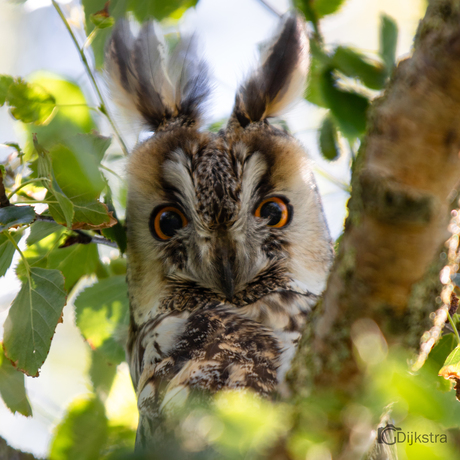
231,32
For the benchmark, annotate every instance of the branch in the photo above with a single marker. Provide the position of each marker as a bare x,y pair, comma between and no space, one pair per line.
87,238
404,175
103,105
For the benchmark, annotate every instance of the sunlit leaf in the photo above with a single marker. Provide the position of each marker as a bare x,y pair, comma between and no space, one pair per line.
40,230
32,319
313,91
30,102
319,7
451,368
101,309
5,82
353,64
12,389
349,108
83,432
7,251
12,216
328,140
388,41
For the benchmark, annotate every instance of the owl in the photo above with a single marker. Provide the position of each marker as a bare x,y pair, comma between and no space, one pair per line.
228,247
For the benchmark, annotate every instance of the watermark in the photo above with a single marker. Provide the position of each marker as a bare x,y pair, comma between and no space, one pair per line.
391,435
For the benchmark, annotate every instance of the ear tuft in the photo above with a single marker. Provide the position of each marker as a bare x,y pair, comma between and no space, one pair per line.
281,77
149,84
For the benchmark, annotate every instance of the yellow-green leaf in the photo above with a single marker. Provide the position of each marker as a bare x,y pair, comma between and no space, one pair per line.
451,368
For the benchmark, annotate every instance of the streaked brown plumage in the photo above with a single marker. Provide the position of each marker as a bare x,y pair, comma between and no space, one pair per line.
220,282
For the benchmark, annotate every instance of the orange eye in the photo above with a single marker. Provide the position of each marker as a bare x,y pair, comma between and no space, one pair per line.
166,221
275,210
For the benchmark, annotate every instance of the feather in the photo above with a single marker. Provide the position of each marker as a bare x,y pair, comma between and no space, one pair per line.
281,77
143,82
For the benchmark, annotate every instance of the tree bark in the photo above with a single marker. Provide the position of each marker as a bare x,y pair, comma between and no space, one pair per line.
8,453
403,182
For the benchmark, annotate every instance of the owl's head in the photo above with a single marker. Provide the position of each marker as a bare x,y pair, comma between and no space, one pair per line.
235,214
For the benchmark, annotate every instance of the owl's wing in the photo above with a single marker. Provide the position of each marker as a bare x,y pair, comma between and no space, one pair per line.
217,349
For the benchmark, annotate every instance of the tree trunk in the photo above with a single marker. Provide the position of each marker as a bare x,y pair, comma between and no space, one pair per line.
403,183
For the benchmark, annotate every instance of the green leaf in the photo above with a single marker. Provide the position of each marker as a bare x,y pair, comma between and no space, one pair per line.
40,230
12,387
101,309
356,65
5,82
7,251
159,9
143,10
93,144
74,262
349,108
12,216
388,41
32,319
328,140
320,7
83,432
76,172
30,103
451,368
313,92
102,21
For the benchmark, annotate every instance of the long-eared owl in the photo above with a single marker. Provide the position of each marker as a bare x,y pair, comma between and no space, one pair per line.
228,248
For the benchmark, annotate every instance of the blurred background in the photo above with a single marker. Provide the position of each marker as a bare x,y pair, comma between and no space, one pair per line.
34,40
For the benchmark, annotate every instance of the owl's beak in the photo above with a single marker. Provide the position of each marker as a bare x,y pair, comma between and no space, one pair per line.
225,262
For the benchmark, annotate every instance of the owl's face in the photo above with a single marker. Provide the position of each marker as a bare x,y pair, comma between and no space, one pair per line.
224,211
235,214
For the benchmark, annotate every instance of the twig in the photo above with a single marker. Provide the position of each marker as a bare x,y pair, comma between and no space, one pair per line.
103,106
269,7
94,238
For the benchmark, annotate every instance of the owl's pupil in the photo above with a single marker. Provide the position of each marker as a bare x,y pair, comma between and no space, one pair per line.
271,210
170,222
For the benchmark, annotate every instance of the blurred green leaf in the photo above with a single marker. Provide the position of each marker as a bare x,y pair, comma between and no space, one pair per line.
160,9
319,7
349,108
388,41
12,216
5,82
356,65
7,251
30,102
12,387
102,19
83,432
93,144
72,115
438,356
101,309
102,373
32,319
328,140
40,230
313,91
